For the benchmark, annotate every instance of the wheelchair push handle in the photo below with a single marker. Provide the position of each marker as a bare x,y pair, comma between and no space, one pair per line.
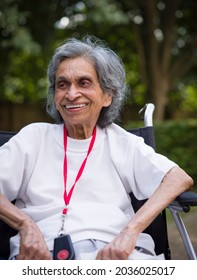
146,114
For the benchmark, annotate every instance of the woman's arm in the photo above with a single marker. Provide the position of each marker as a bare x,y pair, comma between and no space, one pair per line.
32,244
174,183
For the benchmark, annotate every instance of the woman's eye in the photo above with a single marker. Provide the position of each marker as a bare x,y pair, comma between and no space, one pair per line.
85,83
61,85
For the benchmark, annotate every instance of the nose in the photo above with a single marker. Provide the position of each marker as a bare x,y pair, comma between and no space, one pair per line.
72,92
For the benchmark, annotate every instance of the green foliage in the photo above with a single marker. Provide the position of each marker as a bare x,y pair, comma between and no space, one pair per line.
185,98
189,97
30,86
177,141
30,30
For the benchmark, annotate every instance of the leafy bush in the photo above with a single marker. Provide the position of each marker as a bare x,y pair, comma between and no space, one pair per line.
177,140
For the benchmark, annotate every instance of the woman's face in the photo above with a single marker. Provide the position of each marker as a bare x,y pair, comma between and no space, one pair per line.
78,95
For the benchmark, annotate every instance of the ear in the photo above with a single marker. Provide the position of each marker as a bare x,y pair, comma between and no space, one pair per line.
108,100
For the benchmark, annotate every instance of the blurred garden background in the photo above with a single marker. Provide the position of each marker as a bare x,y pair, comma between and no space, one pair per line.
156,39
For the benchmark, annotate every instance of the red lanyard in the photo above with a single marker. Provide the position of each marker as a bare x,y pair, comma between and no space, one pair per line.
67,197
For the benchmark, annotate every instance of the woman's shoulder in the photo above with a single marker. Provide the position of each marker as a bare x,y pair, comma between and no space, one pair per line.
36,126
34,132
39,127
120,139
117,131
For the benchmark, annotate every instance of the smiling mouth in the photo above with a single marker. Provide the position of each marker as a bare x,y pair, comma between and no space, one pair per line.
75,106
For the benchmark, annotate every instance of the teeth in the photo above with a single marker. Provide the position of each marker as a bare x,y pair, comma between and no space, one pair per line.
75,106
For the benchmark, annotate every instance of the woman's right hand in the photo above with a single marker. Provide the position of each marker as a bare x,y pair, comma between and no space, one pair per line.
32,243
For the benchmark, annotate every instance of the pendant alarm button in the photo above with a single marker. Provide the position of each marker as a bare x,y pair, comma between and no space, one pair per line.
63,255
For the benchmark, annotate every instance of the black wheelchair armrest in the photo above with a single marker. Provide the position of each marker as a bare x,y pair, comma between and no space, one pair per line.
184,201
187,198
182,204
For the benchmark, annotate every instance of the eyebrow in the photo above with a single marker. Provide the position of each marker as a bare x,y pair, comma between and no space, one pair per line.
83,77
61,78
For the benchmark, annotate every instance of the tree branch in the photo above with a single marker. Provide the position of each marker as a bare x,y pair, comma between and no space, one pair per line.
167,26
141,52
185,61
150,42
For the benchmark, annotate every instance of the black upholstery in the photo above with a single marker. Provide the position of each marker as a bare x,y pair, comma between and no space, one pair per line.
5,136
5,231
147,133
158,228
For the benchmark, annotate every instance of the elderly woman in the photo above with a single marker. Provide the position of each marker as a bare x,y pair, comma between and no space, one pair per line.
74,177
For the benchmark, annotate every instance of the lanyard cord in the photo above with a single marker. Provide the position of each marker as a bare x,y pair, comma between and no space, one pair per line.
67,197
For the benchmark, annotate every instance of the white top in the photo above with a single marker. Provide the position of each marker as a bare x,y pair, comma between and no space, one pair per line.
31,171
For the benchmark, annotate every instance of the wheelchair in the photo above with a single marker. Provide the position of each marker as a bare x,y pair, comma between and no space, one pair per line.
158,228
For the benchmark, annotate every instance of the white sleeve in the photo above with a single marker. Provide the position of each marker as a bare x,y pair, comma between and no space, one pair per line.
149,168
15,164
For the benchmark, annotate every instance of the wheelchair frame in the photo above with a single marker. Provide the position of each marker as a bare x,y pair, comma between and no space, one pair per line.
183,202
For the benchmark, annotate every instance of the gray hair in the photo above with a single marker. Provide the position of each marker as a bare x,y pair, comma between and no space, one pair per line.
110,72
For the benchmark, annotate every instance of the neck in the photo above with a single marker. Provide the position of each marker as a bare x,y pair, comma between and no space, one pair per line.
79,132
